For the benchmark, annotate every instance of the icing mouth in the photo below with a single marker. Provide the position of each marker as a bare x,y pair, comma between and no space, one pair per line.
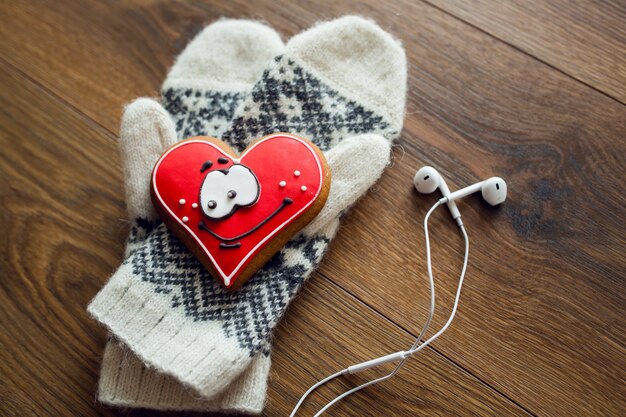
225,240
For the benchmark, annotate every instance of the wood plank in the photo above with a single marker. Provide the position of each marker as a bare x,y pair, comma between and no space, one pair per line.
585,39
61,202
64,232
98,56
94,55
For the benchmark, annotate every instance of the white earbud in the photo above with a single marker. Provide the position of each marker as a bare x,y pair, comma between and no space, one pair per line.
427,180
493,191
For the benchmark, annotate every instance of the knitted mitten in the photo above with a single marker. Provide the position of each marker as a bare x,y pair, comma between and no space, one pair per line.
342,78
212,75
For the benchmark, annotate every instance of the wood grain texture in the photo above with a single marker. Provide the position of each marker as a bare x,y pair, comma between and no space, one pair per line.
585,39
540,327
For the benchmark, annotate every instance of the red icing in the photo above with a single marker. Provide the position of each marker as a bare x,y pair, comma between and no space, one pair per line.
273,159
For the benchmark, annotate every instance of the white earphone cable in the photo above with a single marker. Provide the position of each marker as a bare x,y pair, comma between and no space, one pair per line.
316,386
416,347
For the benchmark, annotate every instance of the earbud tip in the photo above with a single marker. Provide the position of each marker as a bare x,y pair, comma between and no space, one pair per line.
426,180
494,191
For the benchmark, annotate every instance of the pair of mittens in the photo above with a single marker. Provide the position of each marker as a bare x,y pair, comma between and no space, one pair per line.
180,340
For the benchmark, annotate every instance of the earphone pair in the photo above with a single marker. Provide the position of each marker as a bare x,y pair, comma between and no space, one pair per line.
426,181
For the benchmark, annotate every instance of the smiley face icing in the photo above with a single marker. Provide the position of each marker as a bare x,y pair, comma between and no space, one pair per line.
234,211
224,191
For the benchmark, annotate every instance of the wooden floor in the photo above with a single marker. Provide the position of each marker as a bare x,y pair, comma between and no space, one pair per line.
532,91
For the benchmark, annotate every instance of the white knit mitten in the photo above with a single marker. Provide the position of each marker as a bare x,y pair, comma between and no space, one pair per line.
210,78
341,84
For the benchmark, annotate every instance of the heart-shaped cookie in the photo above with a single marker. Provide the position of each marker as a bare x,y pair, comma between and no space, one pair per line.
235,212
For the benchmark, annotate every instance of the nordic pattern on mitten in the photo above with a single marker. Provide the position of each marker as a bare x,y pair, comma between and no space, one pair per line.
200,113
287,98
291,99
247,314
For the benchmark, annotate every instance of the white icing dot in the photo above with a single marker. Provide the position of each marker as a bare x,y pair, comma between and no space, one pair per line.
194,205
296,173
181,201
185,219
303,188
283,183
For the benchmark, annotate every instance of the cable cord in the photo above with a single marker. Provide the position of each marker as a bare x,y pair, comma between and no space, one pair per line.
314,387
416,347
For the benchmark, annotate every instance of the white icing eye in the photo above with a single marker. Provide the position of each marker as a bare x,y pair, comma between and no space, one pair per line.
223,191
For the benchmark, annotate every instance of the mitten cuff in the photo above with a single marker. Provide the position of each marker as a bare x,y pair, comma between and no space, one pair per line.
126,382
197,353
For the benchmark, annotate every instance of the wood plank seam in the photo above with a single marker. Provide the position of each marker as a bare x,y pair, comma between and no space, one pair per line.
108,133
519,49
430,348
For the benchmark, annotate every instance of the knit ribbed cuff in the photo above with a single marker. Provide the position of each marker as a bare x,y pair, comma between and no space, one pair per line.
197,353
126,382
